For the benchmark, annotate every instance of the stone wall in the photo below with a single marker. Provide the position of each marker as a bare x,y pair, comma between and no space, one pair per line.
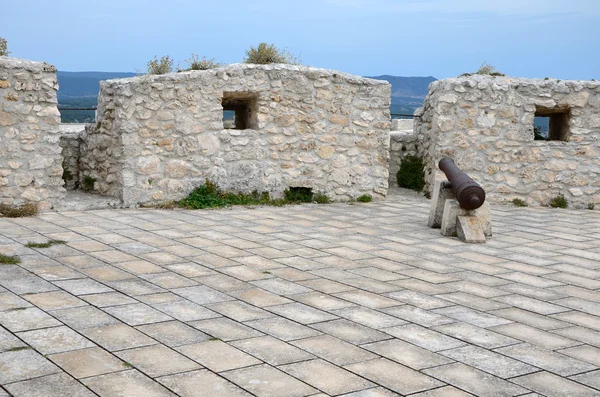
30,155
486,124
158,137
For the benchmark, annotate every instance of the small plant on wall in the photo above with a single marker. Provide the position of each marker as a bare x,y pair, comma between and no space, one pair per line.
412,173
3,48
88,183
487,70
264,54
195,63
365,198
163,65
517,202
558,202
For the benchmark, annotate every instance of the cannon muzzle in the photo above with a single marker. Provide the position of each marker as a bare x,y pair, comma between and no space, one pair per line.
468,193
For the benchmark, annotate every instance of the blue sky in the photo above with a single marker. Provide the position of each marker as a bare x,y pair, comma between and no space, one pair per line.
440,38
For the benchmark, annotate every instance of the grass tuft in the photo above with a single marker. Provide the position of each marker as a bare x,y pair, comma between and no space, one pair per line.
25,210
48,244
558,202
210,196
519,203
365,198
9,259
321,198
18,349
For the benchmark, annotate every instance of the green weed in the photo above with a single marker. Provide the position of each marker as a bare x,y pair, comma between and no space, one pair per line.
412,173
365,198
9,260
558,202
48,244
519,203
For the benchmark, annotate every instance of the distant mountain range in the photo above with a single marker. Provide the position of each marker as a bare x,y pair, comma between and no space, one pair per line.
84,84
80,89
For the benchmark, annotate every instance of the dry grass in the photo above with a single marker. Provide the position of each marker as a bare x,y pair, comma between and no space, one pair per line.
11,211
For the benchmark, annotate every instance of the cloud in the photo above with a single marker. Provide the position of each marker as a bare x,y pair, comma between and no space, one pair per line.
499,7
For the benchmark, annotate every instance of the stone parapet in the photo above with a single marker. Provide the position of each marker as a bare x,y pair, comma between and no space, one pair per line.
486,124
30,155
158,137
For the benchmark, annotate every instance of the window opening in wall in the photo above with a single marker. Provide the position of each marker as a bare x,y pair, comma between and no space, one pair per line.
551,124
239,110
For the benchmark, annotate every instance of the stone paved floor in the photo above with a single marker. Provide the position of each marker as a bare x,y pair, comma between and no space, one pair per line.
354,300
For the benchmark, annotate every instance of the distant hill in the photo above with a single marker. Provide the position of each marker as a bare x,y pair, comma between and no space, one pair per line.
407,88
84,84
408,93
80,89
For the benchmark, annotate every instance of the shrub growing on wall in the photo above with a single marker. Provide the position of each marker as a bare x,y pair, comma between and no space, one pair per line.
487,70
3,47
163,65
267,53
195,63
412,173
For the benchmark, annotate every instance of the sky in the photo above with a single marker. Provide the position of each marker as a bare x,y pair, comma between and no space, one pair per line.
440,38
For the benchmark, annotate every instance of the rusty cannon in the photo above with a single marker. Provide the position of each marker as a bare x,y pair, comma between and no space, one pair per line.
458,205
468,193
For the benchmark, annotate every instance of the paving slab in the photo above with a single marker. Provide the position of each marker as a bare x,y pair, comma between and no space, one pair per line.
266,381
474,381
217,355
84,363
202,383
130,383
552,385
326,377
19,365
157,360
394,376
51,385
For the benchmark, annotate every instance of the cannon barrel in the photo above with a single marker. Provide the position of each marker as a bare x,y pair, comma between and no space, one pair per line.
469,194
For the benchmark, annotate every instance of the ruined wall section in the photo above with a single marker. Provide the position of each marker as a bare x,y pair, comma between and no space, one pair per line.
30,155
158,137
486,125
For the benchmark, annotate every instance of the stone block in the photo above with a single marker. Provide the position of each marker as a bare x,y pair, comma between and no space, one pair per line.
469,230
438,201
452,211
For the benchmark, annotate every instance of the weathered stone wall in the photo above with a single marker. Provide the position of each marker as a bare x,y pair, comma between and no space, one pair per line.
158,137
486,124
403,142
30,155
